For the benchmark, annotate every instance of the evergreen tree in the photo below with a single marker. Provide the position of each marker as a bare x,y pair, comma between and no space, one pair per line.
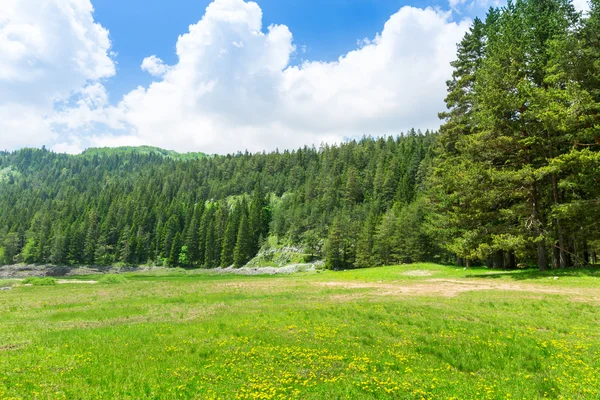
173,260
230,238
91,238
171,229
256,221
221,218
11,247
353,193
76,244
334,246
104,253
243,246
364,251
60,248
212,252
207,217
386,239
193,236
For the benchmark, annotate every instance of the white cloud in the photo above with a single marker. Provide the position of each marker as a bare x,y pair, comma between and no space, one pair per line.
456,3
154,66
233,89
48,50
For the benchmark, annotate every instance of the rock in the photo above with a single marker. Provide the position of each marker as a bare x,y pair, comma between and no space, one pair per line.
6,288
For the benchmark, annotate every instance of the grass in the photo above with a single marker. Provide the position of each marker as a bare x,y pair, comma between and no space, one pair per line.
198,335
8,282
112,279
48,281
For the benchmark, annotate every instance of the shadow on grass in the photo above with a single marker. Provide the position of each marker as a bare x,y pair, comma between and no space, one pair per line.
525,274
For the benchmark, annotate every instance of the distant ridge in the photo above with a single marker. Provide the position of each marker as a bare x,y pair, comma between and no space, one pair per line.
108,151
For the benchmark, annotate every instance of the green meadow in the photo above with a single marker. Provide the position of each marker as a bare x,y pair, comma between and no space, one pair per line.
418,331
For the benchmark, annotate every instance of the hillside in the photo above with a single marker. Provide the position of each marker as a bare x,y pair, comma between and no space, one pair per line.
124,150
138,206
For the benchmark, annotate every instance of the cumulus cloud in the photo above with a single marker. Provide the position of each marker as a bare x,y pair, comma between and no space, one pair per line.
48,51
154,66
233,88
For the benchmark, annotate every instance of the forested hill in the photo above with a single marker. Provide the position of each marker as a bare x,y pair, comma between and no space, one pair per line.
140,207
513,177
108,151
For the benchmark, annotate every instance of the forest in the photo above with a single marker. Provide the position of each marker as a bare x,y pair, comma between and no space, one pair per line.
512,178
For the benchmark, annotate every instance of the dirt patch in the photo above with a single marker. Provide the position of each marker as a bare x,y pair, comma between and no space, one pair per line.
266,284
454,287
418,272
13,347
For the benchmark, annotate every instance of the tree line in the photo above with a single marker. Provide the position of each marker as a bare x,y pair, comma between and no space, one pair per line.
113,206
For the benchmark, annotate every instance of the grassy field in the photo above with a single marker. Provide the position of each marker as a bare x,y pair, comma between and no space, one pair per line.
408,332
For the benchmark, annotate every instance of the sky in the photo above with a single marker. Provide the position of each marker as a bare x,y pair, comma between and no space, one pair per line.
223,76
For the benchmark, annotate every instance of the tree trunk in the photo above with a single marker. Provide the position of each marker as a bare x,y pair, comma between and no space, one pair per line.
563,261
535,226
498,260
555,255
510,260
542,255
468,263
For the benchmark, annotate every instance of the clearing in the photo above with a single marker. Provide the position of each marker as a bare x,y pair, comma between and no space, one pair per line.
402,332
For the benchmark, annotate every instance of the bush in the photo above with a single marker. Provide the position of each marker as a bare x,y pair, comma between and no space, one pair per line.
39,281
112,279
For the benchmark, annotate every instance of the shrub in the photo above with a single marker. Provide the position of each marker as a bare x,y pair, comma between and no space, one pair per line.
48,281
112,279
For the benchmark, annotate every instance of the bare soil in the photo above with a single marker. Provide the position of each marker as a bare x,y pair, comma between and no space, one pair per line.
454,287
418,272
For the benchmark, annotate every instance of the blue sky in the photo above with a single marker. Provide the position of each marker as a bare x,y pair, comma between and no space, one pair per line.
222,76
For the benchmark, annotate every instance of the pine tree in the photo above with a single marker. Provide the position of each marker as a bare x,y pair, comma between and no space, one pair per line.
171,229
212,252
11,247
221,217
207,217
60,248
243,245
76,244
386,239
91,238
193,236
513,138
334,246
230,238
103,254
256,219
353,192
173,260
364,251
